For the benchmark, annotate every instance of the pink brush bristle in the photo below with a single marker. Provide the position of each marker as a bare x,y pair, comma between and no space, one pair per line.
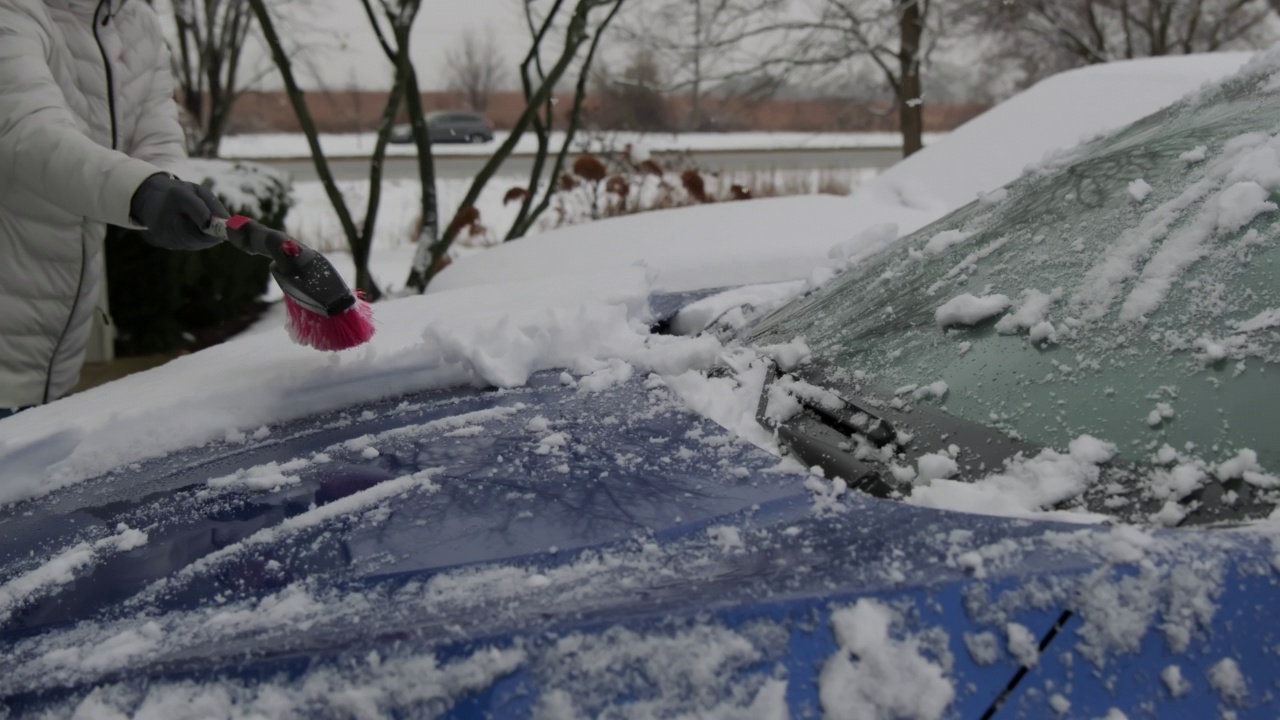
343,331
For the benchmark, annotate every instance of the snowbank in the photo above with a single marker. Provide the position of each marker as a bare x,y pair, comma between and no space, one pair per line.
695,248
483,336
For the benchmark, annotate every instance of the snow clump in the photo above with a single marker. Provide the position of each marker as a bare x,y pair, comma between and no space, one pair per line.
1139,190
968,309
874,675
1022,645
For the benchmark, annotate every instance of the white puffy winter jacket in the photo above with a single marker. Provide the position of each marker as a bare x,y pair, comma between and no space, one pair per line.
86,114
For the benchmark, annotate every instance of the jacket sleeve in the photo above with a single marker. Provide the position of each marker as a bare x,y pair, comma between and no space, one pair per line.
41,148
158,137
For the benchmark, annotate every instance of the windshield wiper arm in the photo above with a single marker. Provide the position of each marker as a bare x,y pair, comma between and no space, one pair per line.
832,453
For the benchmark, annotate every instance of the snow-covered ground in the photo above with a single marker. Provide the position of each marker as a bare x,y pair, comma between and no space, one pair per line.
313,220
274,146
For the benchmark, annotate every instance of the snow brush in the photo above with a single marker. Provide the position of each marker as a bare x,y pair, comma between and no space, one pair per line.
323,313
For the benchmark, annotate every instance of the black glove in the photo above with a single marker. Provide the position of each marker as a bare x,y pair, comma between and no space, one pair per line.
175,213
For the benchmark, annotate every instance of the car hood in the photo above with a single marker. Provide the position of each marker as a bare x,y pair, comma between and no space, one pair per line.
520,551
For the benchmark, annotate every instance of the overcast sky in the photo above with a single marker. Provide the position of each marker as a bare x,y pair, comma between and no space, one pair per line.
340,48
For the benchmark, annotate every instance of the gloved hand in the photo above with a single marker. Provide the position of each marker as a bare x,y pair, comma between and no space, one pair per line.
175,213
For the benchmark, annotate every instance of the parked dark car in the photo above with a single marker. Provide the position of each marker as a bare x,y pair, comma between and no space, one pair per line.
450,126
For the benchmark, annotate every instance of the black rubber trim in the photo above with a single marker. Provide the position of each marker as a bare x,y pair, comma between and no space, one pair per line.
1022,671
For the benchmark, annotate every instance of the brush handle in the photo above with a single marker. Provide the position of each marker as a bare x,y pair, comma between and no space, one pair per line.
254,238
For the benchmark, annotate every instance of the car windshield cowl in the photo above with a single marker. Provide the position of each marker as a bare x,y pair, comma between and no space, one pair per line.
889,448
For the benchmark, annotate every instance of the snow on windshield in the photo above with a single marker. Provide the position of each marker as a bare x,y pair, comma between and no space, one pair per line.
1125,290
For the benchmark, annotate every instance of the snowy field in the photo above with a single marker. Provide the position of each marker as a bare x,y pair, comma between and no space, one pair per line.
278,146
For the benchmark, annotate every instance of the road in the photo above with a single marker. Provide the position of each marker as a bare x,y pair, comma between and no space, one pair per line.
465,166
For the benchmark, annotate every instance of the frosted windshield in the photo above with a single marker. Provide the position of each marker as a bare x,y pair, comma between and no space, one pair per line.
1128,289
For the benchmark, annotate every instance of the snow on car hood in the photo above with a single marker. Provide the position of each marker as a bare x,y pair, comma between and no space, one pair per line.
481,336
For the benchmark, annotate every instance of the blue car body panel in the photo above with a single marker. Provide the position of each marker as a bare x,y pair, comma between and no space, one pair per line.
469,523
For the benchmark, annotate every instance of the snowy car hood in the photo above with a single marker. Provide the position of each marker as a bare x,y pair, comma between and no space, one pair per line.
550,551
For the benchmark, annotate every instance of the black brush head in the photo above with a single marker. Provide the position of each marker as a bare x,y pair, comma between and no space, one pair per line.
306,276
315,285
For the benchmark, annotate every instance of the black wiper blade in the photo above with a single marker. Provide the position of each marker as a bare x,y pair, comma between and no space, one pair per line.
874,428
826,443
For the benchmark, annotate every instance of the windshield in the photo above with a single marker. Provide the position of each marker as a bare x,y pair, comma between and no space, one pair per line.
1128,289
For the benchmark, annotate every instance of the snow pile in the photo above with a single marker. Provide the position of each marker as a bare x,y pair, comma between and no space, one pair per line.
1032,315
1026,487
262,477
1176,684
734,309
373,688
63,568
694,671
968,309
983,647
483,336
1225,677
704,247
875,676
1139,190
934,466
1023,646
945,240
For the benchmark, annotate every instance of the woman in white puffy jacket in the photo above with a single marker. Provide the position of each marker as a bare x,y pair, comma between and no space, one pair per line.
89,133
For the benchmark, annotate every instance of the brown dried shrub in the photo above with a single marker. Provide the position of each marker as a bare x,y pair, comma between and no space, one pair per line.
515,194
650,167
568,182
737,192
589,168
694,185
466,217
618,186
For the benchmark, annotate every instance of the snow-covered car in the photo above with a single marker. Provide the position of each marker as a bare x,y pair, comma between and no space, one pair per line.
931,479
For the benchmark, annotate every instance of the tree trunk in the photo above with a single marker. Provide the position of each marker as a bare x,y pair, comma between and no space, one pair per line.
359,252
695,101
910,103
575,35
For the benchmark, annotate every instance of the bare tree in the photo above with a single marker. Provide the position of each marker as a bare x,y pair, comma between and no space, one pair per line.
476,67
1070,33
633,99
896,37
210,39
529,210
700,42
584,24
401,15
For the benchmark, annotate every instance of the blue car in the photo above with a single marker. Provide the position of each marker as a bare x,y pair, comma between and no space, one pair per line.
1026,467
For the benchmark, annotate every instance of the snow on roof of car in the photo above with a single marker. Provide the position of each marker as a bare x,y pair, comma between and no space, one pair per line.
1056,113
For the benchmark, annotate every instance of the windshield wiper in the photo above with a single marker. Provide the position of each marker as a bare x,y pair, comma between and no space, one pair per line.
826,442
